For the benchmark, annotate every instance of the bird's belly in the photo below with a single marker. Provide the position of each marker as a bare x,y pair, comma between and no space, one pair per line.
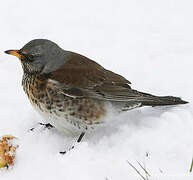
70,115
61,121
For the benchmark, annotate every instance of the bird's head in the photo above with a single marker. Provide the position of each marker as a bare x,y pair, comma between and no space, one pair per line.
40,56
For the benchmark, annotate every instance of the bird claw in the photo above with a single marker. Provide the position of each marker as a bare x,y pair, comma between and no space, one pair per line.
64,152
77,142
46,126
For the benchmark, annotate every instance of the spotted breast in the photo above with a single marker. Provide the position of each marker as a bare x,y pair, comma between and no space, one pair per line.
68,114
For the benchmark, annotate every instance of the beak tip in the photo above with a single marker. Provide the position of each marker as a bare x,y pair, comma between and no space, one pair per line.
7,52
13,52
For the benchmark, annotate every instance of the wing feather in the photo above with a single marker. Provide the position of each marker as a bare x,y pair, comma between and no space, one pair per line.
82,77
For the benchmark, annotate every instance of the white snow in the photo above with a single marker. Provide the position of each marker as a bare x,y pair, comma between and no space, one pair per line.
149,42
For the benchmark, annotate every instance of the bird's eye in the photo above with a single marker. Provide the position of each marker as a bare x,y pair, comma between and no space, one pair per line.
30,57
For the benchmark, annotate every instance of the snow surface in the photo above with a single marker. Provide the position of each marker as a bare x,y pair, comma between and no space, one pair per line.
149,42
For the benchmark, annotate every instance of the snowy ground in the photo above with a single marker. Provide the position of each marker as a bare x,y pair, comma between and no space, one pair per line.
149,42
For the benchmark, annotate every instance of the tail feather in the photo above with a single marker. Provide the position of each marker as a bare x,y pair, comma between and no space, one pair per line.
151,100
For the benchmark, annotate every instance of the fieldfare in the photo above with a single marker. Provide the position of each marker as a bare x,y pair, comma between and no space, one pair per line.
74,93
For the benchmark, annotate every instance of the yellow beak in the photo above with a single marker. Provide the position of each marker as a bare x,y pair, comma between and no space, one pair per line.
14,53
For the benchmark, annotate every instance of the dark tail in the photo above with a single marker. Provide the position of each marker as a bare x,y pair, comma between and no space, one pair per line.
151,100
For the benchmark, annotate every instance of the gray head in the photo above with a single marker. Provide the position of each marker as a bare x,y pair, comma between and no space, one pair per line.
41,56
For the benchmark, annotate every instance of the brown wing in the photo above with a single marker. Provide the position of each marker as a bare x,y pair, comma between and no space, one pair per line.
79,71
81,76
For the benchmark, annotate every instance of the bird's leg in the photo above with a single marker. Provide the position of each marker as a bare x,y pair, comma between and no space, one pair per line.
78,141
46,126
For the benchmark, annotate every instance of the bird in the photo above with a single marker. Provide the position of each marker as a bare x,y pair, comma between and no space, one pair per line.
73,93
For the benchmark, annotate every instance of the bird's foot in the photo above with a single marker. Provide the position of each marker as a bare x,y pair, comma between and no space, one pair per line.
46,126
77,142
64,152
